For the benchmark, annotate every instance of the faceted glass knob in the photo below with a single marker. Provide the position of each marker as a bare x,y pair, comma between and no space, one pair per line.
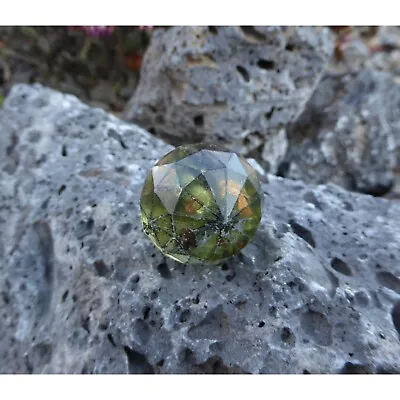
201,204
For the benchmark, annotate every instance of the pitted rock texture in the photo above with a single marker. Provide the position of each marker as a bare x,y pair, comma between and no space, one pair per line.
238,85
375,47
349,133
83,291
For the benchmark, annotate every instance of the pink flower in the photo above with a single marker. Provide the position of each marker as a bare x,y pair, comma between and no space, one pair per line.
145,28
96,31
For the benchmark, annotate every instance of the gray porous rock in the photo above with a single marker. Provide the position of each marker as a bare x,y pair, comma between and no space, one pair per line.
238,85
349,133
82,290
374,47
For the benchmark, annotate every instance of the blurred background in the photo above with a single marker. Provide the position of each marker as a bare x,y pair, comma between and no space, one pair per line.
101,64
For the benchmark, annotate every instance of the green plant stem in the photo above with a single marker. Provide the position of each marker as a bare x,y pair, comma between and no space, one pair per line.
83,54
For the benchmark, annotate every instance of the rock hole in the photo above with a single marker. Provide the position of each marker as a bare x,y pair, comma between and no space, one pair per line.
103,325
268,115
396,316
133,283
153,295
266,64
6,297
146,312
85,369
85,324
115,135
231,276
61,189
143,331
350,368
288,337
309,197
214,326
215,365
213,30
125,228
388,280
137,362
261,324
283,168
186,356
290,47
347,206
164,271
225,267
198,120
84,228
362,299
303,232
291,285
185,316
252,33
243,72
45,256
28,365
340,266
101,268
111,339
64,296
64,151
43,352
196,300
13,144
273,311
317,326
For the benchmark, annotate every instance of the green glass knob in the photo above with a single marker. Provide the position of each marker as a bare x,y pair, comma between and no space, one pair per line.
201,204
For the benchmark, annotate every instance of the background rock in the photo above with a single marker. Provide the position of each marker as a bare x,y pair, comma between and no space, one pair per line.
348,134
83,290
238,85
368,47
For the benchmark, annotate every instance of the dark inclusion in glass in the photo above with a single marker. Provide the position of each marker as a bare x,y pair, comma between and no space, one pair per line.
201,204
